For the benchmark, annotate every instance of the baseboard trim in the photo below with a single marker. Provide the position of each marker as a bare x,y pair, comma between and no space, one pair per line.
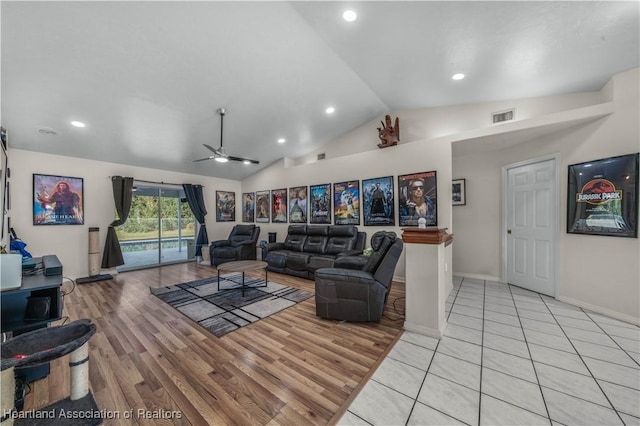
399,279
477,276
613,314
426,331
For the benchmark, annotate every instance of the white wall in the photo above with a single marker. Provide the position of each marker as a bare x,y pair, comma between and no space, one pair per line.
70,242
595,271
413,157
429,123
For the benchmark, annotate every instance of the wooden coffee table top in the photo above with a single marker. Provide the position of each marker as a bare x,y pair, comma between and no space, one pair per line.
242,266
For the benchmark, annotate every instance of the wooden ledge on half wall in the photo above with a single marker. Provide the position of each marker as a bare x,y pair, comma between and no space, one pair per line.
428,235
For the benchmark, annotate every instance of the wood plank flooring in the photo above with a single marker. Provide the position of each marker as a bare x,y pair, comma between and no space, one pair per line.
291,368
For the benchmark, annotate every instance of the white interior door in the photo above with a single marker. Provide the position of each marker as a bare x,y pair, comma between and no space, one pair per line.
532,218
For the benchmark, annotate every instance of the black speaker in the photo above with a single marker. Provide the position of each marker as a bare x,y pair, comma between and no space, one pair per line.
37,308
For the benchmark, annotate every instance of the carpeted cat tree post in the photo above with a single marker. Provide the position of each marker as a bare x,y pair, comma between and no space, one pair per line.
94,259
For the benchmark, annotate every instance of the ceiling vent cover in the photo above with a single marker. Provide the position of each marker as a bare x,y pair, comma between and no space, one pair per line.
500,116
47,131
321,156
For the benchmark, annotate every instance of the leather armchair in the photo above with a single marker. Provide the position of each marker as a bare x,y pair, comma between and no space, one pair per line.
357,287
241,245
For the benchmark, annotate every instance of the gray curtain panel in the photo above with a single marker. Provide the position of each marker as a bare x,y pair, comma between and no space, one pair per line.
195,198
122,195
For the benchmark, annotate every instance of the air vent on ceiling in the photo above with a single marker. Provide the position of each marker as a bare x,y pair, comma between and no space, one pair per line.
500,116
321,156
47,131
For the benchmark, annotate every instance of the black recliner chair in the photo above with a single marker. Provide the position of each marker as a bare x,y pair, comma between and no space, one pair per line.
357,287
241,245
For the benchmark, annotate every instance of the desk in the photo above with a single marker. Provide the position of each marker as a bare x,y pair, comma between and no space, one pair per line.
14,306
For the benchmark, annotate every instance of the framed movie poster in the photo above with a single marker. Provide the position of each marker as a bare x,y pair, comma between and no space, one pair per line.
320,201
262,206
298,204
58,200
225,206
346,202
248,206
279,206
377,196
603,197
417,198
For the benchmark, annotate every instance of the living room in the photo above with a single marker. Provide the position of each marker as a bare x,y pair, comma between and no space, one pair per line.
458,141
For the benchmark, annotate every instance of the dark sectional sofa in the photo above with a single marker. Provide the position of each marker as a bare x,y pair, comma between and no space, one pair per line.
310,247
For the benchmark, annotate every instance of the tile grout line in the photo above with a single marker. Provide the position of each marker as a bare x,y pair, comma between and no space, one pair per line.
424,379
484,292
608,335
535,371
585,364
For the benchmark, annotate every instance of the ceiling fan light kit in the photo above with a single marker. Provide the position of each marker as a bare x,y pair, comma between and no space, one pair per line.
218,153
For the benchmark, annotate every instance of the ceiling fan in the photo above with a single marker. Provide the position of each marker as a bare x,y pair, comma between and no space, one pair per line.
218,153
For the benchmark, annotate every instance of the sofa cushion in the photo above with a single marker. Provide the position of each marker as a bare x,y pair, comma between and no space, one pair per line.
297,261
296,237
320,261
277,259
341,238
315,244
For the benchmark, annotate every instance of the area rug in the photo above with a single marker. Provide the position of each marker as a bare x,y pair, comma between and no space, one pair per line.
224,311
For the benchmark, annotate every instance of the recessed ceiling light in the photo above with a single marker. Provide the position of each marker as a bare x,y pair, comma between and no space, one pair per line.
282,140
77,123
330,110
458,76
349,15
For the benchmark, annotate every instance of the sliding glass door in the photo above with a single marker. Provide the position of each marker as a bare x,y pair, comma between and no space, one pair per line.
160,228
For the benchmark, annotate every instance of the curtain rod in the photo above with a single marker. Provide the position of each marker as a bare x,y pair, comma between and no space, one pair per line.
157,183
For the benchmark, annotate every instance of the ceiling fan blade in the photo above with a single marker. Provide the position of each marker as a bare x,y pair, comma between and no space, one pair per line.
204,159
242,159
210,148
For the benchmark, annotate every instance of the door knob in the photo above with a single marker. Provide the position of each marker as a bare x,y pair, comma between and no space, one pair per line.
508,231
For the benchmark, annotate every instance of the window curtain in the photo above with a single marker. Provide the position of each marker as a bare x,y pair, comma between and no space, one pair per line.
196,203
122,195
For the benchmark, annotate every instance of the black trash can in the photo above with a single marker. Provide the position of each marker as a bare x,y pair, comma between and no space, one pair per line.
272,237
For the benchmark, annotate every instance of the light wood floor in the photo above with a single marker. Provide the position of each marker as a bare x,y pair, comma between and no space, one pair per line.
291,368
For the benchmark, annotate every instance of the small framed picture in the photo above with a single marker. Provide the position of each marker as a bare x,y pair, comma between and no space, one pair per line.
458,192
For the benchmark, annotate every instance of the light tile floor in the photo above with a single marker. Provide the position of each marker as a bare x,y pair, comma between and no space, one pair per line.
508,357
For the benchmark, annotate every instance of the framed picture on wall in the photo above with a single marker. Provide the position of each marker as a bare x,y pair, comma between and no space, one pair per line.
225,206
279,205
262,206
602,197
458,192
346,202
58,200
298,204
378,202
248,206
320,203
418,198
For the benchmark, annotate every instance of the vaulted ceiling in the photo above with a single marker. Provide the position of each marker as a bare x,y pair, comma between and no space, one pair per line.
147,77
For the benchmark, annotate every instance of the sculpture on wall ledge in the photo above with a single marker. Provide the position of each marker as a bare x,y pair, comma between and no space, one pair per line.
388,134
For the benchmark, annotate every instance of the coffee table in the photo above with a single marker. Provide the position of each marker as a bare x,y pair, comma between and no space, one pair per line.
242,266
